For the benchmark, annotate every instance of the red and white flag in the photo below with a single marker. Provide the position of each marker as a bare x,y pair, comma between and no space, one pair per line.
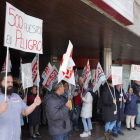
99,78
66,68
35,71
109,77
87,76
76,76
47,70
50,77
83,73
9,65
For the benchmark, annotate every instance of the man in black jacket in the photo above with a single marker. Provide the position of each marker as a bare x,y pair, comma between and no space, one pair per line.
136,87
57,113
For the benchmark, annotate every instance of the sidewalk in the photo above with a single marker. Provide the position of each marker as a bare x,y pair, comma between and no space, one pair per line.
128,135
97,133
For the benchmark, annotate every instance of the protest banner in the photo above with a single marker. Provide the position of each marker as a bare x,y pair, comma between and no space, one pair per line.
35,71
22,32
87,76
50,77
135,72
47,70
66,68
99,78
116,75
83,73
27,75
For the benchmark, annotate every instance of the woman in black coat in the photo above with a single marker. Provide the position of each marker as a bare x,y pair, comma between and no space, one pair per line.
108,109
34,117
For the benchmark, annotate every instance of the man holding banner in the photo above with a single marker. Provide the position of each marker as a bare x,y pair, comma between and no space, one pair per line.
119,96
10,110
108,109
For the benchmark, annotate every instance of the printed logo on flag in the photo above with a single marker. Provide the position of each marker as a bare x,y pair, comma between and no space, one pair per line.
51,77
35,71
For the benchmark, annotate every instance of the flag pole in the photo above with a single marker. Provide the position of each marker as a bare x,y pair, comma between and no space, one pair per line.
6,72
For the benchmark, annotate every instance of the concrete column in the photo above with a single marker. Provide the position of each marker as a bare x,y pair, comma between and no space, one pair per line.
106,60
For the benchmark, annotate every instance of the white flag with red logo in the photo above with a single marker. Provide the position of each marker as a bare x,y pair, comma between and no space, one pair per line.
83,73
66,68
35,71
76,76
109,77
47,70
99,78
51,76
9,65
87,76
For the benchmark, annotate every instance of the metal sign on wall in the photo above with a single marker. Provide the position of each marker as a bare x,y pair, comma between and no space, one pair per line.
122,10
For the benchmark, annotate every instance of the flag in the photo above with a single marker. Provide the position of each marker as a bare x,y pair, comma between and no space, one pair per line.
99,78
83,73
76,76
66,68
87,76
9,65
50,78
109,77
35,71
47,70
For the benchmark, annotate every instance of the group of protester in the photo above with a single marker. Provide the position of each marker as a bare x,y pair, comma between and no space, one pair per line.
58,107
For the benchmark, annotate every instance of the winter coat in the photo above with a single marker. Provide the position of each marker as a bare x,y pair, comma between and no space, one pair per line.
120,104
34,117
131,106
86,111
57,114
136,88
108,107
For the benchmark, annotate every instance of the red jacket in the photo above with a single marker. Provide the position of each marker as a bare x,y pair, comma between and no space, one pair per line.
78,100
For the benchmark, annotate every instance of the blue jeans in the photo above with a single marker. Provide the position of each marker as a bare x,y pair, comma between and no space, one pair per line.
60,137
87,125
117,127
78,107
109,125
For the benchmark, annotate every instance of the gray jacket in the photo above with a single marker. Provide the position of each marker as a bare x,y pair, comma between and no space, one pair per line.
57,114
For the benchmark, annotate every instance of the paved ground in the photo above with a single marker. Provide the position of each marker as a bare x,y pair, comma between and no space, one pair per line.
97,133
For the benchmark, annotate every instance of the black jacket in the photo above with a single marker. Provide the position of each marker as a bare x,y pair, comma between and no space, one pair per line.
136,88
57,114
108,107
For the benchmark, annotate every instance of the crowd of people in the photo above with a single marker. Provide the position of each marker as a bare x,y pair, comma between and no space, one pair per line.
64,107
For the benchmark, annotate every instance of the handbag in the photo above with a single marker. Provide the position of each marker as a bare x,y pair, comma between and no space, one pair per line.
73,113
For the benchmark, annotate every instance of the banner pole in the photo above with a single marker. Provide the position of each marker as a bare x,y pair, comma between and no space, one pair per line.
38,76
109,90
112,95
26,93
6,72
70,88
